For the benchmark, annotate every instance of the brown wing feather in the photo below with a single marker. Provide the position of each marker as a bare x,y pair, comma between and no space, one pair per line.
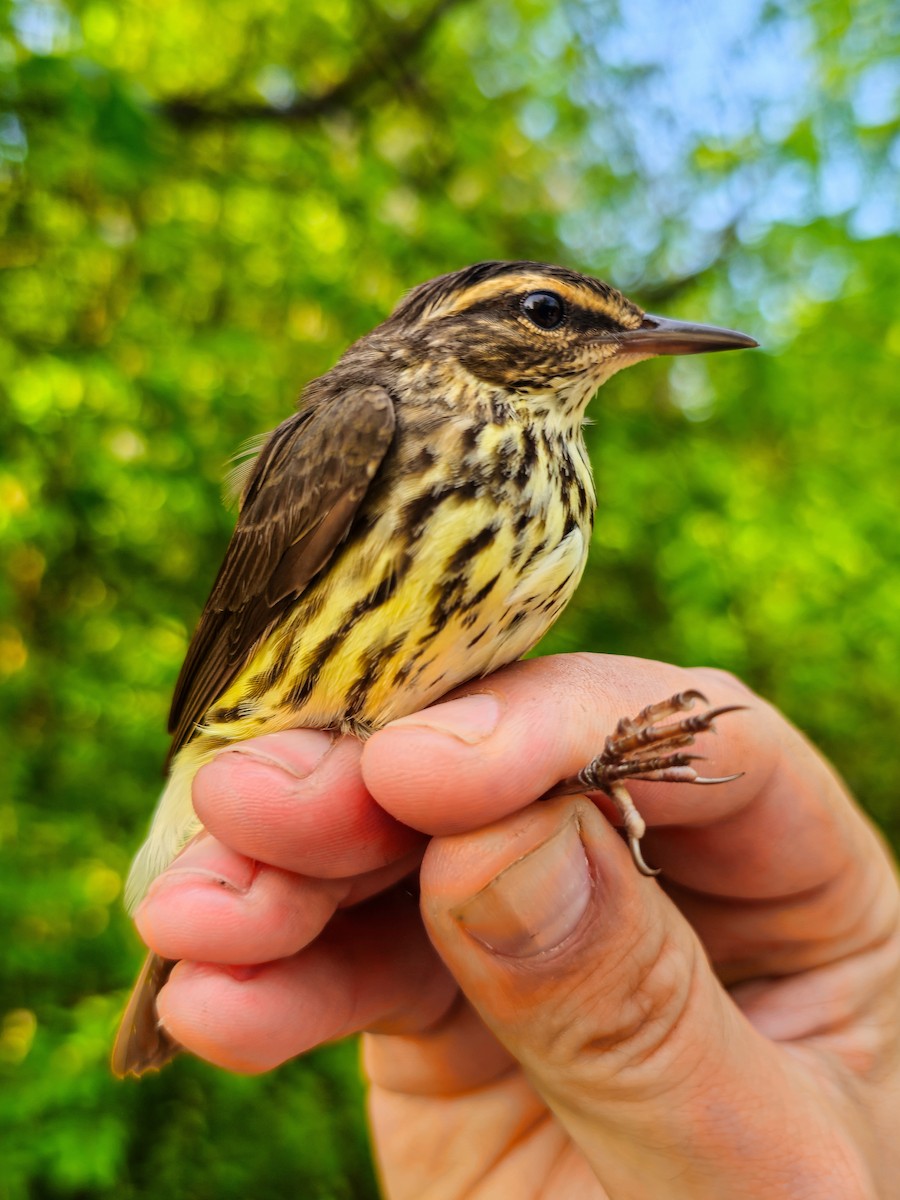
305,489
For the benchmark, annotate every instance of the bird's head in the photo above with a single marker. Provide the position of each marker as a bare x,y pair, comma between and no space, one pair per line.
533,329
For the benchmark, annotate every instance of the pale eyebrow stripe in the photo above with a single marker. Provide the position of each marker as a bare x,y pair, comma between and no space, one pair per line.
491,289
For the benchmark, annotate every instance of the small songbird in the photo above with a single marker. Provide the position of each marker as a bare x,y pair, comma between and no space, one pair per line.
420,521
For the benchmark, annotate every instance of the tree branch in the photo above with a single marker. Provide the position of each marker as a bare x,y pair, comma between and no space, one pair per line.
371,67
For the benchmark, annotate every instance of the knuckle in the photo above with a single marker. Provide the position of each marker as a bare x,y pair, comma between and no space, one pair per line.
623,1017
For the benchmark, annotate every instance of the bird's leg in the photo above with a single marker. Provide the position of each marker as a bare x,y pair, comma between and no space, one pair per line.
644,747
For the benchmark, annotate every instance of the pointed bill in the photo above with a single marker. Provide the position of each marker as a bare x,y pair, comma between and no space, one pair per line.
661,335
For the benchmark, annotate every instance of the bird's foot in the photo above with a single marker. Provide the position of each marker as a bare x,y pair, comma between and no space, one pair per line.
641,748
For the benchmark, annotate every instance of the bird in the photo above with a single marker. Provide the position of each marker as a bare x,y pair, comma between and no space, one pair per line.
419,521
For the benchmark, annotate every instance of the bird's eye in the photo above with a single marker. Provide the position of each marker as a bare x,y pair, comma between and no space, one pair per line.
544,309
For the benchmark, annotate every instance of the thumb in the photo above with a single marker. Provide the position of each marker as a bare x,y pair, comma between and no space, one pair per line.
591,978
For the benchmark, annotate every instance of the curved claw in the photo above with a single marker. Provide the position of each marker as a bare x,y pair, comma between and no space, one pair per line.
634,845
721,778
722,710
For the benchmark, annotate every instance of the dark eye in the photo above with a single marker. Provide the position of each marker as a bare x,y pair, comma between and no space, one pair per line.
544,309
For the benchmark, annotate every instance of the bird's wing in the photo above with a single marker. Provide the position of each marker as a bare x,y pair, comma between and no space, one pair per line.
298,506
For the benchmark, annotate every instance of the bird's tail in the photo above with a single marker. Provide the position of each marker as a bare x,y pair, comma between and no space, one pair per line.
141,1043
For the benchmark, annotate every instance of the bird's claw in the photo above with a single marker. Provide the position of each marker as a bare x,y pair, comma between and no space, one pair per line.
634,752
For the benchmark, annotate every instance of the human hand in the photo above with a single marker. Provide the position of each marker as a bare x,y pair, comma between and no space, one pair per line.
734,1032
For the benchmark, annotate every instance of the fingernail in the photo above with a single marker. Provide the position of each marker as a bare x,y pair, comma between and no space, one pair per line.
470,719
207,861
297,751
536,902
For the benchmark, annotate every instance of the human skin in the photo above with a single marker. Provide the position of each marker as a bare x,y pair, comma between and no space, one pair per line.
543,1021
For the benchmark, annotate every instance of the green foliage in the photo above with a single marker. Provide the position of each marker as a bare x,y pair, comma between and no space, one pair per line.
201,205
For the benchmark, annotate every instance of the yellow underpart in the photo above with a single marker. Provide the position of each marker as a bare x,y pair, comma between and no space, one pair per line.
438,655
426,650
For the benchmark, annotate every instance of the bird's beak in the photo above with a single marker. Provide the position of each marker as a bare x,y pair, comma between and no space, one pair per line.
660,335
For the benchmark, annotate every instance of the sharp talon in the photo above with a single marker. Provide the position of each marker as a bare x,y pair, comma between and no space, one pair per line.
642,749
727,708
721,778
634,846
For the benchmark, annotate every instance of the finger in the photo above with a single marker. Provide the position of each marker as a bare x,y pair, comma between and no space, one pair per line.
214,905
296,800
593,981
451,1105
512,736
784,834
372,968
456,1056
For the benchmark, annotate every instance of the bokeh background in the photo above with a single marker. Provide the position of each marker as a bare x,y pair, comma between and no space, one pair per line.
203,202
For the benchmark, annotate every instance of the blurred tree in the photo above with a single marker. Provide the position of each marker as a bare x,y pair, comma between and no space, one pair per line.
201,205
